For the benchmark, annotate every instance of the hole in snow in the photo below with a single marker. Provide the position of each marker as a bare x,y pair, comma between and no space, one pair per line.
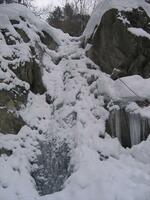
52,166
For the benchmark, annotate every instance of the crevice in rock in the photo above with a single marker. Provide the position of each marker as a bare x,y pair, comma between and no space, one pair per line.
115,47
31,73
22,18
10,123
37,85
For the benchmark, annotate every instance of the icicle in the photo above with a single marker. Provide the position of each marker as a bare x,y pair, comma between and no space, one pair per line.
129,127
118,124
135,128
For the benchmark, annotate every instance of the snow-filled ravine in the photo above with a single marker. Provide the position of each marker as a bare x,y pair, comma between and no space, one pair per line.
69,119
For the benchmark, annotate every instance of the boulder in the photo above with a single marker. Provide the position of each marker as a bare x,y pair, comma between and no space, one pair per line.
114,46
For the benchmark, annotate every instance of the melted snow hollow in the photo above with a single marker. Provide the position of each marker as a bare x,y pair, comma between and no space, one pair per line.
102,168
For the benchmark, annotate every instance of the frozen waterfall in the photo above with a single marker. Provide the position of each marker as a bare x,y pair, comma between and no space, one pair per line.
128,126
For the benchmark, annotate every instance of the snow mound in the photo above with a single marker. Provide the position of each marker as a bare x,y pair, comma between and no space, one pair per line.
130,88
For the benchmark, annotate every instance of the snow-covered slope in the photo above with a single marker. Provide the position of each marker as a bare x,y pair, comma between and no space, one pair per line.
72,109
105,5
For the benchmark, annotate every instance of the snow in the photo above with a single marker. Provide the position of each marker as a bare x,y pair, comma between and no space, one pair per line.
124,89
139,32
15,181
102,168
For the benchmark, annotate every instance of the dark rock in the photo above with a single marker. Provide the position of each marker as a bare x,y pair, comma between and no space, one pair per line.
13,21
14,98
10,123
48,40
102,157
144,103
37,85
33,52
5,151
22,34
113,46
31,73
10,40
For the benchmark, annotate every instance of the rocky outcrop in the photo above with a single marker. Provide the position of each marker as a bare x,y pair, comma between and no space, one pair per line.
22,47
115,46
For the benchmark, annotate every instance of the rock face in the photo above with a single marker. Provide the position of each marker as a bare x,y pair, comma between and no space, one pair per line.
115,46
22,47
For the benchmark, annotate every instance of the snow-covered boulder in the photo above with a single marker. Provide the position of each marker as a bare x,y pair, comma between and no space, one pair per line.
119,33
